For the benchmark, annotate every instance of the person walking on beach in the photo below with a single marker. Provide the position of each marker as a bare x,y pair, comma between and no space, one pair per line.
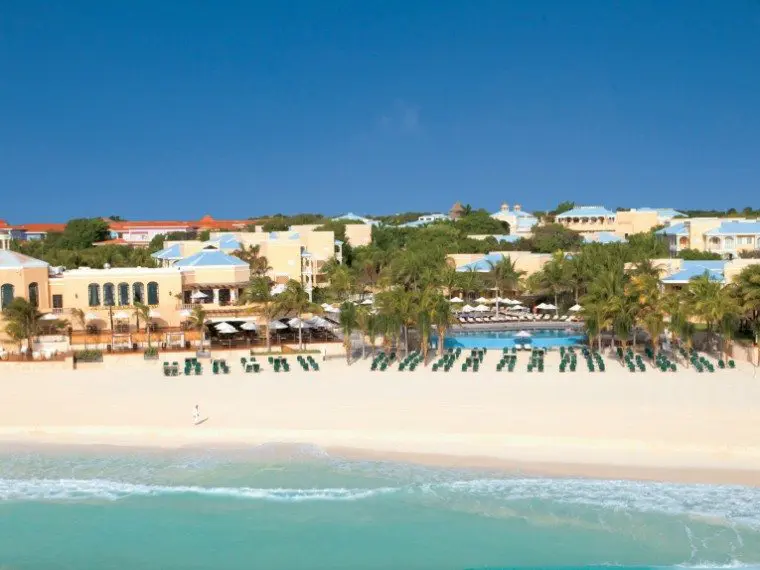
196,414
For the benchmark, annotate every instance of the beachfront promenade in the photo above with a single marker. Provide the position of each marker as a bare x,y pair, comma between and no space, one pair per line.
682,425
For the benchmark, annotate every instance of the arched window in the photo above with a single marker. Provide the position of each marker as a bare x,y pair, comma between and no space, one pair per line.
123,294
6,295
109,298
34,294
138,293
152,293
93,295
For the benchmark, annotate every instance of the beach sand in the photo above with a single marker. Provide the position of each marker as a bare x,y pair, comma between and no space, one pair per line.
680,426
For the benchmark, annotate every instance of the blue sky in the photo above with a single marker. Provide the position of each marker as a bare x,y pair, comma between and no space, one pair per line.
175,109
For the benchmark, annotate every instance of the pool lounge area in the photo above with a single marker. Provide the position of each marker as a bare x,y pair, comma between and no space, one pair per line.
539,338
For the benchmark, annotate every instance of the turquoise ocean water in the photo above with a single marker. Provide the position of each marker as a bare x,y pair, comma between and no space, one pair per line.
297,508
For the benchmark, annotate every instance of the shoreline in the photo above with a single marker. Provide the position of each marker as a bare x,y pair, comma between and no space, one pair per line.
108,443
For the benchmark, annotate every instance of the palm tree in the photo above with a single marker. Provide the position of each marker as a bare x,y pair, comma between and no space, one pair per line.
81,319
295,299
441,317
748,290
198,320
259,265
449,279
504,276
143,310
552,278
259,292
22,322
369,323
348,323
714,304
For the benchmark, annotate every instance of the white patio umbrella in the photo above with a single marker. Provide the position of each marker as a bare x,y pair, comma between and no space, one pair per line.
90,317
248,326
541,306
367,302
121,316
482,308
482,300
575,308
550,307
456,300
198,295
225,328
185,313
154,314
318,322
277,325
468,309
296,322
49,317
505,300
523,334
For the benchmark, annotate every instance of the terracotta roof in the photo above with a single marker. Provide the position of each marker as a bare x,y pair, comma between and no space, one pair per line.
117,241
127,225
4,224
41,227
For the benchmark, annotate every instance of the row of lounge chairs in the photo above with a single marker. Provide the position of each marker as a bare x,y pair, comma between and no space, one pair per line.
447,360
381,361
308,363
522,318
411,361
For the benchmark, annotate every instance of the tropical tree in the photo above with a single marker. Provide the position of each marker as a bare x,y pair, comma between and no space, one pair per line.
258,293
295,299
748,292
503,275
143,310
369,323
553,277
441,317
342,280
714,304
251,254
349,322
399,307
198,320
79,317
22,322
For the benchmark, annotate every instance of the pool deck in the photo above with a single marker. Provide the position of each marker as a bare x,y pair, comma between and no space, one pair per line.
518,326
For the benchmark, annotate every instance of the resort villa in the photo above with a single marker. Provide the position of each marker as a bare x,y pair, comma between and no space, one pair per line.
593,220
727,237
520,223
107,297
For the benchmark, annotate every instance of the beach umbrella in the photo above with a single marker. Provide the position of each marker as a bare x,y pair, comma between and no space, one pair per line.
248,326
198,295
468,309
121,316
523,334
456,300
331,309
49,317
550,307
296,322
575,308
318,322
185,313
481,300
225,328
90,317
482,308
154,314
277,326
541,306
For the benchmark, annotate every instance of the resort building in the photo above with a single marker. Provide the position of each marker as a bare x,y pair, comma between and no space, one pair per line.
595,219
424,220
351,217
727,237
108,296
457,211
525,261
140,233
678,272
520,223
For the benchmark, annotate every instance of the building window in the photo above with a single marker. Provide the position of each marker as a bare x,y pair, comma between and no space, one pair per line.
123,294
138,293
152,293
93,295
58,301
6,295
224,296
108,295
34,294
728,243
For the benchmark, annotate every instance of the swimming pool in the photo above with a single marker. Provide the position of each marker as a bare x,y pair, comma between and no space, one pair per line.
502,339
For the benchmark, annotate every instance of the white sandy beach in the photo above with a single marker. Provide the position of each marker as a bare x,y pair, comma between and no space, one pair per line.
680,426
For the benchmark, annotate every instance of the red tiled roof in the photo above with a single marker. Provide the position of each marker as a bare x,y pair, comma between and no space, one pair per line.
4,224
34,228
117,241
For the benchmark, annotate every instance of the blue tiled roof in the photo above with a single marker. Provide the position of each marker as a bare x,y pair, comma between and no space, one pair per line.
226,242
674,230
354,217
15,260
586,211
732,228
663,212
481,265
692,269
170,253
603,237
210,258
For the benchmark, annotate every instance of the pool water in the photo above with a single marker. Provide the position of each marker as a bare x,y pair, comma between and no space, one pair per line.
507,339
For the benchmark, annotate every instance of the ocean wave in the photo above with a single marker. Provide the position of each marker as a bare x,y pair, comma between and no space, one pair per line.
99,489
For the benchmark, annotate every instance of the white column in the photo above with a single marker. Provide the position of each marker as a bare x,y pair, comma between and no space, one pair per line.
233,295
216,296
